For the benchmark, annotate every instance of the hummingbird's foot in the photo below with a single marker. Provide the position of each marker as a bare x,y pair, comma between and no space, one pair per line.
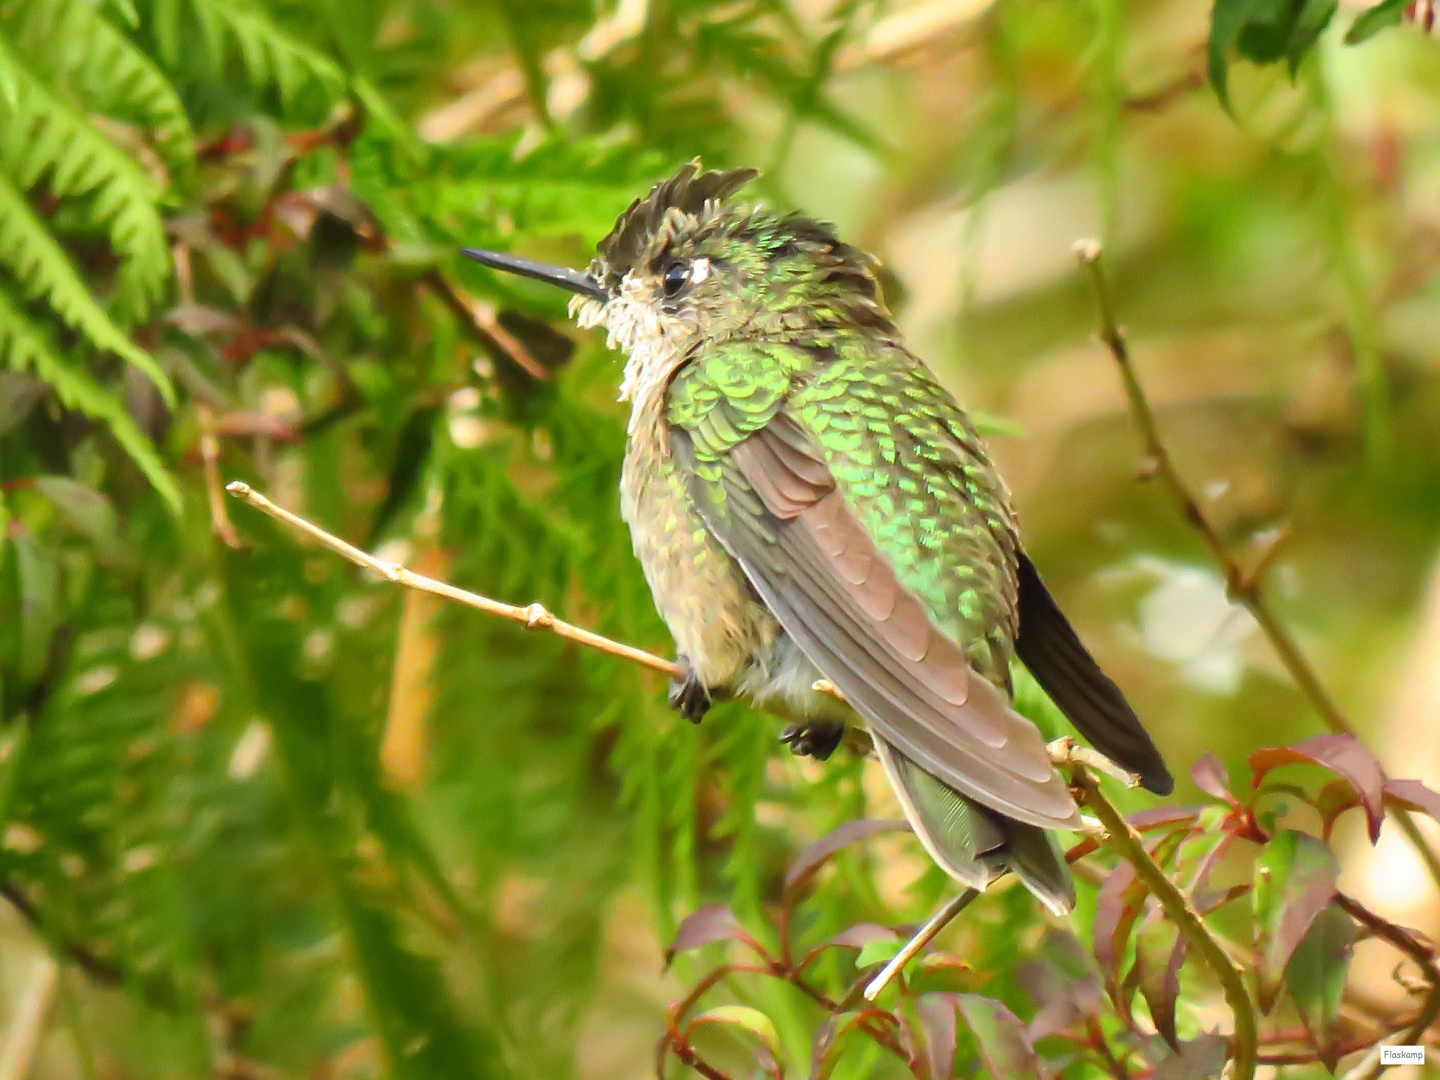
688,695
817,739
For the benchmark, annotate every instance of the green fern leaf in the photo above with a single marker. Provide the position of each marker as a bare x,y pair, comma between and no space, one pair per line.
25,347
42,137
74,45
44,270
271,57
271,54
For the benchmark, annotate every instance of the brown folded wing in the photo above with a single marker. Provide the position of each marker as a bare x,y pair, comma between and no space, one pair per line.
778,512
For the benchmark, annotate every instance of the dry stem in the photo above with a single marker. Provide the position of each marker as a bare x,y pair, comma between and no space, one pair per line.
1242,586
532,617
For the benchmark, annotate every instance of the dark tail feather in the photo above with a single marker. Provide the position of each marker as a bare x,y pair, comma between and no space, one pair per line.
975,845
1085,694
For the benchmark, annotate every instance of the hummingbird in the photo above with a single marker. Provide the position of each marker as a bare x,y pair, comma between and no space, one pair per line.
809,503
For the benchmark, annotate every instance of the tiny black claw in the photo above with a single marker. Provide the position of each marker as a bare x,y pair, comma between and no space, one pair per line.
817,739
688,695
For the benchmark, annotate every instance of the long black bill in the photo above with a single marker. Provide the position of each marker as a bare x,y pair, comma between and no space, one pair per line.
566,278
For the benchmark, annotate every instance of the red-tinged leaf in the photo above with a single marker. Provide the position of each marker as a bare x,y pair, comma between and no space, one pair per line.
1315,977
937,1019
1294,879
860,935
1061,982
942,973
1214,900
705,926
804,868
1413,795
753,1021
1334,799
1003,1042
825,1051
1116,909
877,951
1202,1058
92,515
1344,755
1210,777
1158,955
1157,817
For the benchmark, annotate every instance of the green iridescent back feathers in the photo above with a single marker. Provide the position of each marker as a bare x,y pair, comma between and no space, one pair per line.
808,501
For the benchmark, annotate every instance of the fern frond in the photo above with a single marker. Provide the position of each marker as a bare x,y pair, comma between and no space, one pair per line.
25,347
42,137
76,46
271,57
43,269
271,54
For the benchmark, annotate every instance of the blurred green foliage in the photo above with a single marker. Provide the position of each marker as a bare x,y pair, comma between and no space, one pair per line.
237,222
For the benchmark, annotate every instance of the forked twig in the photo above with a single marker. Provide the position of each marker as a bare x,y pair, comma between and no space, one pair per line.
1244,587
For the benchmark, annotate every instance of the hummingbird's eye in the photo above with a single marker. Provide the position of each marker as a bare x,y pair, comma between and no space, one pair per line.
677,276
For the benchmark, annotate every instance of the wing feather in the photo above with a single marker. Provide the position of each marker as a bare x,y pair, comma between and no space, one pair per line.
833,592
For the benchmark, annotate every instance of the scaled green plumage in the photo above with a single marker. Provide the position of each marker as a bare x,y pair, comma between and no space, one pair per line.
808,501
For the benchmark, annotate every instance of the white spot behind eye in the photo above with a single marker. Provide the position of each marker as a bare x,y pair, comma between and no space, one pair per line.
699,271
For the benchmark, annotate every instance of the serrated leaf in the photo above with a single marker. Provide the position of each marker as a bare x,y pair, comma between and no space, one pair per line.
1372,20
937,1021
1159,954
1211,777
748,1019
704,926
942,973
860,935
826,1048
1264,32
1201,1058
89,512
877,951
1315,977
809,862
1344,755
1117,907
1004,1044
1413,795
1295,879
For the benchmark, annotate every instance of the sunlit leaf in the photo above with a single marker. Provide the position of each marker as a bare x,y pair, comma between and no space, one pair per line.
747,1019
1295,879
1344,755
1210,776
1374,19
704,926
1003,1042
809,862
1315,976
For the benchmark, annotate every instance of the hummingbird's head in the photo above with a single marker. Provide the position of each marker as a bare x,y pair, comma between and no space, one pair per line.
687,266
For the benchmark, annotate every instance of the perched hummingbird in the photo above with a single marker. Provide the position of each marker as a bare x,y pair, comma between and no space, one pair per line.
809,503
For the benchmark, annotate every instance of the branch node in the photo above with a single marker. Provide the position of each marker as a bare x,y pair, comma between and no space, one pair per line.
538,617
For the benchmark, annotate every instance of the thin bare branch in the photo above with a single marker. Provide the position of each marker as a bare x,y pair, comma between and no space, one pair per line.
1243,587
532,616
